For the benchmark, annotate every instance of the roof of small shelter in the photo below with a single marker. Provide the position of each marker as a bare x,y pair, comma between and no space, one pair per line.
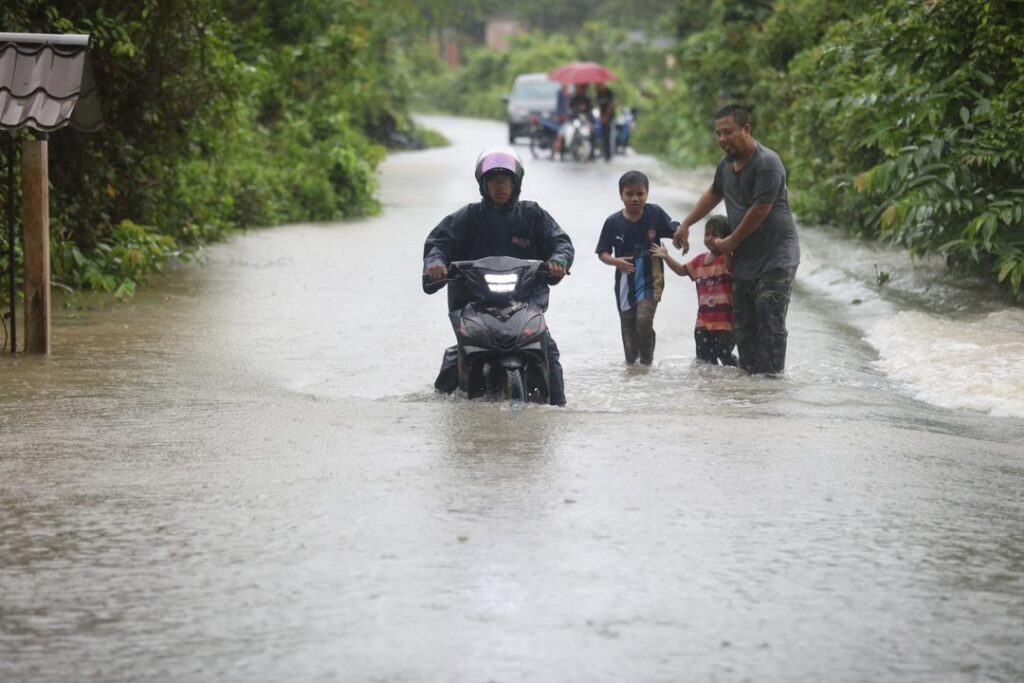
46,83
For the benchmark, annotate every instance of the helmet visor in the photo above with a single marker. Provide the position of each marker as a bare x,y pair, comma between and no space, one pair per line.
496,161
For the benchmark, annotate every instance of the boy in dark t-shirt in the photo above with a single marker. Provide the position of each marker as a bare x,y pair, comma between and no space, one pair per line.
625,244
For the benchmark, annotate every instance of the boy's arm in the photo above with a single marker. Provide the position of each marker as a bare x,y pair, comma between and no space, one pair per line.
625,264
728,262
661,252
665,226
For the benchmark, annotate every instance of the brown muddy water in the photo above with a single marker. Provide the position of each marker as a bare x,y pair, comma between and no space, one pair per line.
243,474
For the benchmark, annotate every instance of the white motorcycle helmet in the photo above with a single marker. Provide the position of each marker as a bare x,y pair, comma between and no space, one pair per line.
501,158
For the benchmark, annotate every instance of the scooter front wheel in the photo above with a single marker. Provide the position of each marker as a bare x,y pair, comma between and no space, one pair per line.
514,389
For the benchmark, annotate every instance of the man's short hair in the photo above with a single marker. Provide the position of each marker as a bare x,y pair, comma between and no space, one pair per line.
740,115
718,225
633,178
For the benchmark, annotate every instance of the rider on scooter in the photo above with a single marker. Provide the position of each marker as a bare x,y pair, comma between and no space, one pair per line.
499,225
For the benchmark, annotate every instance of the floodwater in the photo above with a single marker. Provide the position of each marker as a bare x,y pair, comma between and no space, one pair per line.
243,475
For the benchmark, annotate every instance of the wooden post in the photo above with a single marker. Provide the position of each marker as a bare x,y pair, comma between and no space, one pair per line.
36,207
12,270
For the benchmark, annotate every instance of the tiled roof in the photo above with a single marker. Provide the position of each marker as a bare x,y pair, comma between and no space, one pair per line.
46,83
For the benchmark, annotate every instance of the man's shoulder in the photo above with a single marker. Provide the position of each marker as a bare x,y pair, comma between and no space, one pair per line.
766,157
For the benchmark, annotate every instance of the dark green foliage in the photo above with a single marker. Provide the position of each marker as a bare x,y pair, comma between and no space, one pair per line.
218,114
117,266
899,120
921,108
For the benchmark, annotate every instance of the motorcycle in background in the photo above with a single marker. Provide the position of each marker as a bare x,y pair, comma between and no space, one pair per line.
543,132
579,137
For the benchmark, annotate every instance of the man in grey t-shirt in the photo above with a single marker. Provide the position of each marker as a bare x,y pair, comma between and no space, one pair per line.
766,250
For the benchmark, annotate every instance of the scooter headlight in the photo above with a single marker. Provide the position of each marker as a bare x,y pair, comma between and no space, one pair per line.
501,283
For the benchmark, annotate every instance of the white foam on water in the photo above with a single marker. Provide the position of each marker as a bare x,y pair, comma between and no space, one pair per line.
973,364
951,348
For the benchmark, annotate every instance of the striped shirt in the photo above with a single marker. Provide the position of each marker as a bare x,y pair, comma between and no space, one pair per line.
714,292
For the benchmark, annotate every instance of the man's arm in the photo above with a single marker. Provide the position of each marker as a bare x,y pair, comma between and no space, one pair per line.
768,183
559,247
707,201
440,245
752,220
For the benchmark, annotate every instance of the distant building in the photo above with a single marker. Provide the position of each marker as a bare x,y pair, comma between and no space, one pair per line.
448,47
498,32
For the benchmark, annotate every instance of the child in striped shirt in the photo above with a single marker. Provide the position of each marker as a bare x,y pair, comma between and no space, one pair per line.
712,274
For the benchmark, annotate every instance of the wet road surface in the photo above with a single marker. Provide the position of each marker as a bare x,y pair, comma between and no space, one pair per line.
244,475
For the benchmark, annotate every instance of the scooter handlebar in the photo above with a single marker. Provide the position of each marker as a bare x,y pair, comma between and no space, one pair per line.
431,285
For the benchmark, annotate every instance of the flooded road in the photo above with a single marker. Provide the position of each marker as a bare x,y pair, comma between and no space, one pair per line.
244,474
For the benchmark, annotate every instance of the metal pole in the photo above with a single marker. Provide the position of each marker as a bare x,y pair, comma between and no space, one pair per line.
12,288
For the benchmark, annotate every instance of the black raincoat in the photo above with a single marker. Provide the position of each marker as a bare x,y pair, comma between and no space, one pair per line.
519,228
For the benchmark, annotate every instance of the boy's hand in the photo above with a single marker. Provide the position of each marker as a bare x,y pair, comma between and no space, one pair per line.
681,238
659,251
625,264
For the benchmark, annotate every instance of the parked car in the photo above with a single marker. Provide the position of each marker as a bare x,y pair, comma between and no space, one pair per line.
532,94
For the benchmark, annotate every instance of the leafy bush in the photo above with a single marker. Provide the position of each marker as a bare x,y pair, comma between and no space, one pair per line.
926,131
898,120
218,115
117,266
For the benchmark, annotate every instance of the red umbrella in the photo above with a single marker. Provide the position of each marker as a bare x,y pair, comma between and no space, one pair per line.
580,73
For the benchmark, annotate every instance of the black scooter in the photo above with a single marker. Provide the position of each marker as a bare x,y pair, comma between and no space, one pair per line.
502,336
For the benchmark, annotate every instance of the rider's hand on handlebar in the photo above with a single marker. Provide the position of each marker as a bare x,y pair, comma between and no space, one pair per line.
437,272
556,270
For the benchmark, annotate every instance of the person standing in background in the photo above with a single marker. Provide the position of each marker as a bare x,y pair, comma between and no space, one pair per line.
606,113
